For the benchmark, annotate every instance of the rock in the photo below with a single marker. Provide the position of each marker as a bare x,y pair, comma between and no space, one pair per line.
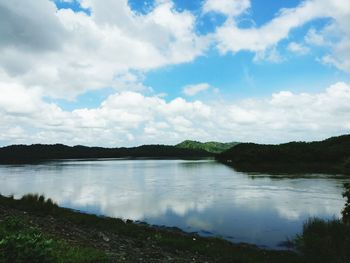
103,236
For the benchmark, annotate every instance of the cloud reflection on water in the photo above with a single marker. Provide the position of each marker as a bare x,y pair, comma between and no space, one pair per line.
195,196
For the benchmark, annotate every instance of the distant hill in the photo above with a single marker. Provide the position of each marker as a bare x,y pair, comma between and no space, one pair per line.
41,152
328,156
212,147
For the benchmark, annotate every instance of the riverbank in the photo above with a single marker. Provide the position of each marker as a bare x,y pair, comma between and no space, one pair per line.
113,240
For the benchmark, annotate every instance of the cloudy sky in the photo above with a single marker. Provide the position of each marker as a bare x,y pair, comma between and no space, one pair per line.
124,73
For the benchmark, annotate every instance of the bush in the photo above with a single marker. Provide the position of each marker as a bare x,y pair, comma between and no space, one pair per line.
346,210
35,202
27,247
325,241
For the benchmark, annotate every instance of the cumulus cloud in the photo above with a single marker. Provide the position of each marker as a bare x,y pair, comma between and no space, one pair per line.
72,52
192,90
258,39
131,118
264,39
112,46
19,28
227,7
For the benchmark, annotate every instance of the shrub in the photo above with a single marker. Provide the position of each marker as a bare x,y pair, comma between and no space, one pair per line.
35,202
346,210
27,247
325,241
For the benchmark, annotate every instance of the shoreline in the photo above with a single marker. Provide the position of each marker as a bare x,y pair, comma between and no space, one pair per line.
127,158
283,245
142,242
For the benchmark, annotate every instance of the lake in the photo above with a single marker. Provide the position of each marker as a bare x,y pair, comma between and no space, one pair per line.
196,196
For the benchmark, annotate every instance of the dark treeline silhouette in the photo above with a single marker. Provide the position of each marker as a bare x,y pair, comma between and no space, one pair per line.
41,152
329,156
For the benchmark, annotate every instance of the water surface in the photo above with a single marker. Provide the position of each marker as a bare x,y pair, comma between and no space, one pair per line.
196,196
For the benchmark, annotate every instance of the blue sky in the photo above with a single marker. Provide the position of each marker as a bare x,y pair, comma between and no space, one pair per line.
123,72
236,75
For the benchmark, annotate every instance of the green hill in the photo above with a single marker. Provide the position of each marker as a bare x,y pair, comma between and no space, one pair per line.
329,156
212,147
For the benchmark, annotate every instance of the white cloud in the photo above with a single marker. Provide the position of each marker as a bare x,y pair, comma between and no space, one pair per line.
226,7
73,52
298,48
128,118
314,38
15,99
335,36
271,55
234,39
261,40
192,90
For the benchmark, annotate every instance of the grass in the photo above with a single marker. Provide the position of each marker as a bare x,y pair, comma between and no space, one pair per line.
20,243
327,240
324,241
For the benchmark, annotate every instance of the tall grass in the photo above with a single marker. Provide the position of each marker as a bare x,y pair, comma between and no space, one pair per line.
324,241
38,202
31,202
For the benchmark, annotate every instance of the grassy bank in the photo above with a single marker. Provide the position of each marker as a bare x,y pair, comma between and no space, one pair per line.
324,241
20,242
108,239
34,229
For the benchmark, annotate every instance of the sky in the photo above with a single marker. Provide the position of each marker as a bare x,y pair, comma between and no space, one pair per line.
125,73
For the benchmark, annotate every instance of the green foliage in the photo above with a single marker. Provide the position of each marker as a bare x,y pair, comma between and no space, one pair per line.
346,210
26,247
40,152
31,202
38,203
328,156
19,243
324,241
211,147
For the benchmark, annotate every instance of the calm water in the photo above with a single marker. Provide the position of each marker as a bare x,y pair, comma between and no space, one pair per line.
201,196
